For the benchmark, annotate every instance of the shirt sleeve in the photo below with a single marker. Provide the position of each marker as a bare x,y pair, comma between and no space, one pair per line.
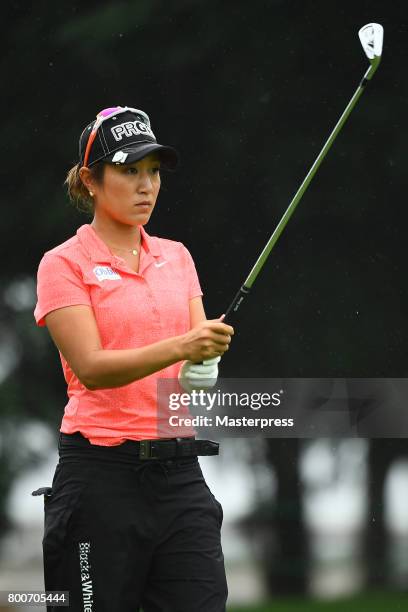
194,288
59,284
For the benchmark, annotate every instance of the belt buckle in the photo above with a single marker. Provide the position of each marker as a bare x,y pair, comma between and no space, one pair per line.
145,449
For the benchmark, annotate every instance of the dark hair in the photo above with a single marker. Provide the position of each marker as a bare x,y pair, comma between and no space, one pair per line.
77,192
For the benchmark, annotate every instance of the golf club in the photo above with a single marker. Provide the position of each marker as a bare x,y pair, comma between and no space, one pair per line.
371,37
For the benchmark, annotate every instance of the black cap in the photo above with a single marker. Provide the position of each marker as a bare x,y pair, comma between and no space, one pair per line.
124,138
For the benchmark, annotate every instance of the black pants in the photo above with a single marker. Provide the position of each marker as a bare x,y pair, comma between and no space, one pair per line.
123,534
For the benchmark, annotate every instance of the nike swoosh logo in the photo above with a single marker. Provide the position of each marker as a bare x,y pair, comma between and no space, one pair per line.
160,264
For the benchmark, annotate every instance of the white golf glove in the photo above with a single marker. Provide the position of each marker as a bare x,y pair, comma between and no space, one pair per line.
199,375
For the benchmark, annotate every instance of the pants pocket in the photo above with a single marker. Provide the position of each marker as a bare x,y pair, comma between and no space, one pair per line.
218,507
61,502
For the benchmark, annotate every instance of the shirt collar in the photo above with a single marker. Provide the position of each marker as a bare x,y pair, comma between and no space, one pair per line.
98,250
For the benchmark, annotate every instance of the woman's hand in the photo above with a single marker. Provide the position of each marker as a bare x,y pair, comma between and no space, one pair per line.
207,340
199,375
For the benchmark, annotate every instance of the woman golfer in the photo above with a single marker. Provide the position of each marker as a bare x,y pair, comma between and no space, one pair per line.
129,520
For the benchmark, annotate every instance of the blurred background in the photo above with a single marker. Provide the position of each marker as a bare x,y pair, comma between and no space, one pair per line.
248,93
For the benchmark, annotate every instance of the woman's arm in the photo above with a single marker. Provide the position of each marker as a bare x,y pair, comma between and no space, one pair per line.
197,314
74,331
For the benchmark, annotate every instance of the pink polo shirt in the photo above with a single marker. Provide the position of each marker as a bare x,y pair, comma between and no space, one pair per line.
131,310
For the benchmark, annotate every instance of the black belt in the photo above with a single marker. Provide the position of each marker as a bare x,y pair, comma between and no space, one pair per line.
148,449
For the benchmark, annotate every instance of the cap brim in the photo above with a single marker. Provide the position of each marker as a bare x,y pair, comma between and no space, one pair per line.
168,156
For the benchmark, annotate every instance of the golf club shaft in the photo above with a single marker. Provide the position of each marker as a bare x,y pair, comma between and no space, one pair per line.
245,288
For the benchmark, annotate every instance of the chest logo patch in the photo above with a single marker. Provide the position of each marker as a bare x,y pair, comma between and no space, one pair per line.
106,273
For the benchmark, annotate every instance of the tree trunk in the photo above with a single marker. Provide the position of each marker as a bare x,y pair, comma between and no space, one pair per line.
286,565
382,453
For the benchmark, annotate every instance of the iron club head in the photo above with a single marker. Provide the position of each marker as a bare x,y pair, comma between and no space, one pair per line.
371,37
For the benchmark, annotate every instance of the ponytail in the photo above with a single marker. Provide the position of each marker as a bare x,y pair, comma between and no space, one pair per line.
77,192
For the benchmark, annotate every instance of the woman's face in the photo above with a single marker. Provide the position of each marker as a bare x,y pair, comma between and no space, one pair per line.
129,192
